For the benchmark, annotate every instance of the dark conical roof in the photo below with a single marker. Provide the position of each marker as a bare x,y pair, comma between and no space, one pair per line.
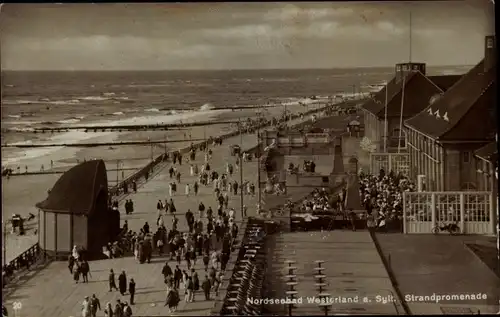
76,190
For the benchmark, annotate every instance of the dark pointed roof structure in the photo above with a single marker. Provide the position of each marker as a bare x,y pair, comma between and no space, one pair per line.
464,112
76,190
418,89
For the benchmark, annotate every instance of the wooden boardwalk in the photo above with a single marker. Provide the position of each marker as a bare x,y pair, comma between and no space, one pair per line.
352,268
53,293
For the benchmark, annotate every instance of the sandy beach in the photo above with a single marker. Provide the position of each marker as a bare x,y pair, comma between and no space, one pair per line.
21,193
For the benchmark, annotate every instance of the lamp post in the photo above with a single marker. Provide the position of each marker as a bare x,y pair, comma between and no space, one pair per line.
241,167
151,145
165,143
117,172
258,159
4,224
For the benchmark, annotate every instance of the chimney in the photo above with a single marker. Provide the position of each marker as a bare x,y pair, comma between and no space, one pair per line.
489,52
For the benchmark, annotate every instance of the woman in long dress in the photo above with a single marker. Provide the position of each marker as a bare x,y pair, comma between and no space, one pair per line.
191,170
187,189
170,189
75,253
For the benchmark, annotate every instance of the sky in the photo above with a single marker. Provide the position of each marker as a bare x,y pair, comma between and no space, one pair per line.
268,35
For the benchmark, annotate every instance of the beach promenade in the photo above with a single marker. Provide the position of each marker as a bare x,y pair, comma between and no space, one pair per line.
52,292
21,193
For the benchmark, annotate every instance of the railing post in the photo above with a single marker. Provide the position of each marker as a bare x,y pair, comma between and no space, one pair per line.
389,158
405,210
492,217
433,209
462,213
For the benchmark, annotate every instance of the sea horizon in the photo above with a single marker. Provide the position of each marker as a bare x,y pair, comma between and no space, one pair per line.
212,70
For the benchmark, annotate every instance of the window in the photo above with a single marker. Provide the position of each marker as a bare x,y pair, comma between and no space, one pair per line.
398,68
324,179
415,67
489,43
466,156
405,68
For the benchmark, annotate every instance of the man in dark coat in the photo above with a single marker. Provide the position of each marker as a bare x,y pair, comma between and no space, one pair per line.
112,283
166,271
206,286
177,276
95,305
122,283
85,270
131,290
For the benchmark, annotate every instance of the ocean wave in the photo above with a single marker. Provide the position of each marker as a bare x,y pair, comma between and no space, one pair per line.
65,102
71,120
108,94
16,116
17,122
152,110
147,85
21,129
94,98
206,107
118,113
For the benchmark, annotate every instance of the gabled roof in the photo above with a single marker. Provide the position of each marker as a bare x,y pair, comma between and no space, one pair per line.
489,152
418,89
376,104
76,190
445,82
445,113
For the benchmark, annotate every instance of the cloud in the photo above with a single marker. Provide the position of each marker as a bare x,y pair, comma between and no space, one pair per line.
293,12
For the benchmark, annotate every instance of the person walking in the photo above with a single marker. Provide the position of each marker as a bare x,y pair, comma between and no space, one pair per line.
76,272
189,290
85,270
206,286
95,305
108,311
86,307
172,300
71,263
196,284
187,190
122,283
118,312
166,271
112,282
131,290
177,277
127,310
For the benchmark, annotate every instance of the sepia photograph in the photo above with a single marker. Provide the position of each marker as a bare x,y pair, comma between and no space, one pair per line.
249,158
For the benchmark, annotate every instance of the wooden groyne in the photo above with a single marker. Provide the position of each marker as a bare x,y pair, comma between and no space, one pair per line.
95,144
130,127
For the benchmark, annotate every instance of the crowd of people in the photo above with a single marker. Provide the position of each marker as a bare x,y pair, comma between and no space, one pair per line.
321,202
207,240
382,196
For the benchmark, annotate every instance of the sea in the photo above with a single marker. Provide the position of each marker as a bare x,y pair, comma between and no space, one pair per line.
57,98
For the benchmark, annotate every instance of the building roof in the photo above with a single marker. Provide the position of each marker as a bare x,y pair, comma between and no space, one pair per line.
489,152
76,190
418,89
445,82
376,104
447,112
